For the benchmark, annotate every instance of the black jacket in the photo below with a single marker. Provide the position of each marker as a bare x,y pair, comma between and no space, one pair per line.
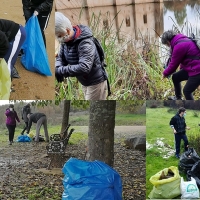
38,5
25,111
178,123
8,31
33,119
79,58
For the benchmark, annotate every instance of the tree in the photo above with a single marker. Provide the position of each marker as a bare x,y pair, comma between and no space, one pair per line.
101,131
65,119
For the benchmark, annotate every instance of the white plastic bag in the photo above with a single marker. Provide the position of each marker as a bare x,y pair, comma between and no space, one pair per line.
189,189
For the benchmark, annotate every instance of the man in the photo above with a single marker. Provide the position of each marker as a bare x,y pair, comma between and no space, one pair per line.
40,119
25,111
78,57
179,127
41,9
184,52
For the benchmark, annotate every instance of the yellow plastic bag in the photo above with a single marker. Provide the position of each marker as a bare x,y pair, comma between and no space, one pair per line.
166,188
5,81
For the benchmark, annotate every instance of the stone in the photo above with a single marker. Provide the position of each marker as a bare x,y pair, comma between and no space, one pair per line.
137,142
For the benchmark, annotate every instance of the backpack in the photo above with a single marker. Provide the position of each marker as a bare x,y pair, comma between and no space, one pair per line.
101,56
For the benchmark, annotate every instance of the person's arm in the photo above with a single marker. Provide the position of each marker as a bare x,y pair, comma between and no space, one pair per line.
45,6
16,117
4,44
172,123
178,55
86,53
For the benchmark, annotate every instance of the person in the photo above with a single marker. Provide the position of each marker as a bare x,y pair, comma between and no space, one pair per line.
78,57
179,127
40,8
40,119
25,111
184,52
12,36
11,119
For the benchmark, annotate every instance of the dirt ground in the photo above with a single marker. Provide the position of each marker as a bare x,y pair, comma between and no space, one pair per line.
21,176
31,85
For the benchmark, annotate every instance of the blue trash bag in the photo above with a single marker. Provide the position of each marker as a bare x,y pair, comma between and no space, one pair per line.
23,138
35,57
90,180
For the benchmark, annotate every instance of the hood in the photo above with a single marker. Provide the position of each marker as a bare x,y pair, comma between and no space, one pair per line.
85,33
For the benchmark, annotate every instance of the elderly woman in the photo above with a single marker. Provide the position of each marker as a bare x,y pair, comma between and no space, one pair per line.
11,122
78,57
184,52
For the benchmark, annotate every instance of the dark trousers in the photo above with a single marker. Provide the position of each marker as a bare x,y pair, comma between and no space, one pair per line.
192,84
25,127
43,19
178,138
11,130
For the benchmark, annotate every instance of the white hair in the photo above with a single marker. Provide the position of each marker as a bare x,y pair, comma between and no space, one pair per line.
62,23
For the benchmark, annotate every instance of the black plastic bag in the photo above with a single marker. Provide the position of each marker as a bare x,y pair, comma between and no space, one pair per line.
187,160
41,138
195,173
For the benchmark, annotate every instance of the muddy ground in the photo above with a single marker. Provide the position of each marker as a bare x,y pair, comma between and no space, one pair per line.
31,85
21,176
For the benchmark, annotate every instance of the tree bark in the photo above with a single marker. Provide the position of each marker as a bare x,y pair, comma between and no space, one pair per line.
65,119
101,131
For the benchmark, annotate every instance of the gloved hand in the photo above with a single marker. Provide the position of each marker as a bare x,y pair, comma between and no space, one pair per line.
35,13
59,77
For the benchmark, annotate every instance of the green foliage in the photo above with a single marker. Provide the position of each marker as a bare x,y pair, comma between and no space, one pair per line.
157,126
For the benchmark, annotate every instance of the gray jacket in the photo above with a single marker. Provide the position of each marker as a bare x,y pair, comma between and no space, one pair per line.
79,58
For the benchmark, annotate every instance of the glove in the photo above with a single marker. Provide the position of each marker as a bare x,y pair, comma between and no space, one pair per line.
35,13
59,77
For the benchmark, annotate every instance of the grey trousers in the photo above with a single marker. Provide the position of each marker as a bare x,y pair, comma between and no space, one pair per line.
40,122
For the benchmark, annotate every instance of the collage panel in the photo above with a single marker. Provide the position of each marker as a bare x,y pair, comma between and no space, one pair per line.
26,56
72,150
172,149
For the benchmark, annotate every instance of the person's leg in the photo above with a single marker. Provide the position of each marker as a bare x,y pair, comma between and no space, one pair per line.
9,133
96,92
191,85
177,78
25,128
43,19
178,143
13,133
38,126
186,143
45,128
15,46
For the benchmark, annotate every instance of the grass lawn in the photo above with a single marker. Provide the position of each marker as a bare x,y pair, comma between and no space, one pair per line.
157,126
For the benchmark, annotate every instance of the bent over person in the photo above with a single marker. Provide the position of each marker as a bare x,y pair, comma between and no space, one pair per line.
184,52
40,8
40,119
78,57
179,127
12,36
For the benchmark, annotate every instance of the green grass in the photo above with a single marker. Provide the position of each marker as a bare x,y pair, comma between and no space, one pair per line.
157,126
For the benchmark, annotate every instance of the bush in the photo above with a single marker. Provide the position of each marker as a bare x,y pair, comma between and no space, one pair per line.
194,141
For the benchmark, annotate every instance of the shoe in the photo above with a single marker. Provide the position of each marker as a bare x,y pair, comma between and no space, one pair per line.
10,143
177,156
173,98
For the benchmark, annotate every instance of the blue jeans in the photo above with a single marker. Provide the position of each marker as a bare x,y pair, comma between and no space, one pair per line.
178,138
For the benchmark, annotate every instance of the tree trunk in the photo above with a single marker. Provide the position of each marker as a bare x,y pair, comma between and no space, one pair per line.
101,131
65,119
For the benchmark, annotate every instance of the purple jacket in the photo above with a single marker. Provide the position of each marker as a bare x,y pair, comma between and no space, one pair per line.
11,117
179,53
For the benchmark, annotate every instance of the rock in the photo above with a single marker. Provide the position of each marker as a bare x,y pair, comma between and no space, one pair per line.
137,142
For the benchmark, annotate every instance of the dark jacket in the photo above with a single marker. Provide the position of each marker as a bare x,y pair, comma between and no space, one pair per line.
33,119
25,111
11,117
181,52
8,31
38,5
79,58
179,123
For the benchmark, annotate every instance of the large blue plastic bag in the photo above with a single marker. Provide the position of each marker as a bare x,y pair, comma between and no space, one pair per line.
35,57
90,180
23,138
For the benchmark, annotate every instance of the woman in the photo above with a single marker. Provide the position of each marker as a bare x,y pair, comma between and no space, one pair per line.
12,36
11,122
184,52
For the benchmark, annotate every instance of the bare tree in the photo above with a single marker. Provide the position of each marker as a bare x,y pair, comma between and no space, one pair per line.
65,119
